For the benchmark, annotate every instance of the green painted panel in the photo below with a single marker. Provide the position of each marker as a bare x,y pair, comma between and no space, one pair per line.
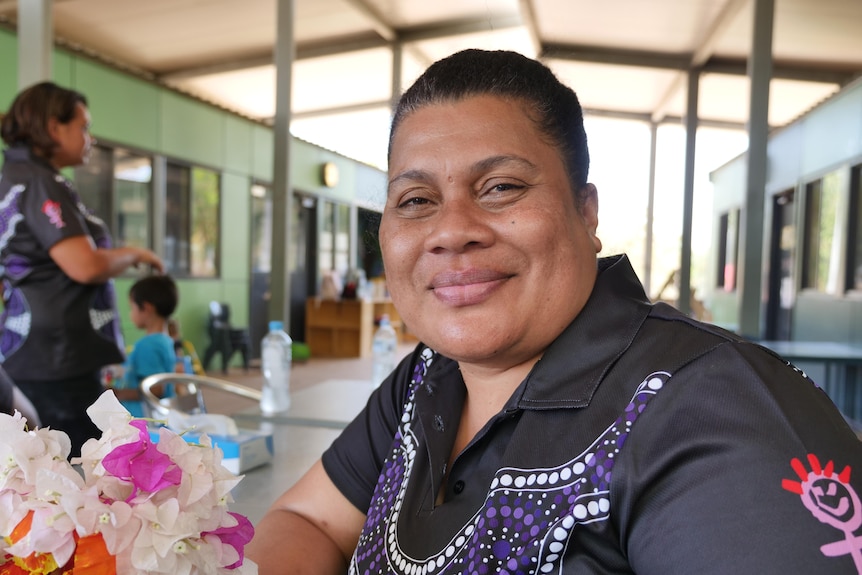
62,66
235,224
191,130
124,109
8,68
237,145
263,146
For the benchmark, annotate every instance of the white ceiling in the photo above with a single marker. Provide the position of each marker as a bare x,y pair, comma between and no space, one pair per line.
623,57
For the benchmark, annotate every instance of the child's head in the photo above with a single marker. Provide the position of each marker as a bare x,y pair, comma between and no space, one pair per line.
158,293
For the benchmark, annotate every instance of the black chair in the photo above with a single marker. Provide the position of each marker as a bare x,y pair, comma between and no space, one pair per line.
224,338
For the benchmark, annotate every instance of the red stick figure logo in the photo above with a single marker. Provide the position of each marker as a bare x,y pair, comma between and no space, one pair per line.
832,500
55,215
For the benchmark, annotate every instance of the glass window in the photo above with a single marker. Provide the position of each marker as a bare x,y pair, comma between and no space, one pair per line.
854,269
342,239
325,246
116,184
133,176
93,181
191,221
728,250
821,259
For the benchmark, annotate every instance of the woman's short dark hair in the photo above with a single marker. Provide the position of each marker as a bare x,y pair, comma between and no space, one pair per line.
26,122
159,291
553,106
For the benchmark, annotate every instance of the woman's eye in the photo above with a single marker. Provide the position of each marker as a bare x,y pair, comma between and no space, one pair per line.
413,202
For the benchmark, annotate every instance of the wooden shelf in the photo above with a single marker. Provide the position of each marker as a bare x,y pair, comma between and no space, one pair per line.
345,328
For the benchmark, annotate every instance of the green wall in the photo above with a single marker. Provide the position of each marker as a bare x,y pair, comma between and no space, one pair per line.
130,111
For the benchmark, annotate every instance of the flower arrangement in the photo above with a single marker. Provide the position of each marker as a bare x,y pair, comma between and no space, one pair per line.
126,506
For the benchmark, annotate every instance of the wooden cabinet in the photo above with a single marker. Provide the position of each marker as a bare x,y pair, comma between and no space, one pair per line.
345,328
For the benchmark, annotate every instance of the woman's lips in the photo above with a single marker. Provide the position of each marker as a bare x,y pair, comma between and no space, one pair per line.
469,287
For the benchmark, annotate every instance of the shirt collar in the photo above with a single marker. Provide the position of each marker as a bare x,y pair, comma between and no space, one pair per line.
575,363
22,153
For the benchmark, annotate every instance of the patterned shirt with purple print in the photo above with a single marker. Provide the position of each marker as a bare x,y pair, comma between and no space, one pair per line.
642,442
52,326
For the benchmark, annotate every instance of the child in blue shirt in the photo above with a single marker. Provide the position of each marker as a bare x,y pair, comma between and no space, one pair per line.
152,301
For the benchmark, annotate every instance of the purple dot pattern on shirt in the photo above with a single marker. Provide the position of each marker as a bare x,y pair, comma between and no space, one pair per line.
528,516
16,314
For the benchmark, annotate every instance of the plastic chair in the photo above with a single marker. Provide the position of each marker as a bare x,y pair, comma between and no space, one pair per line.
225,339
188,392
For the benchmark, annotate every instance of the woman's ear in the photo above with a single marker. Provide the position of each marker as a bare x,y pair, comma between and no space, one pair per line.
54,129
588,206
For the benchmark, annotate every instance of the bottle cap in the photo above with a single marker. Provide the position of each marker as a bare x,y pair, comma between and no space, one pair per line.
276,325
384,319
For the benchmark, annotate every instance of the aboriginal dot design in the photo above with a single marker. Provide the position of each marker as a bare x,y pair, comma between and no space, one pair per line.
16,313
527,519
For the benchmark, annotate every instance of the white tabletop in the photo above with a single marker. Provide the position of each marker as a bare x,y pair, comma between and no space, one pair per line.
316,417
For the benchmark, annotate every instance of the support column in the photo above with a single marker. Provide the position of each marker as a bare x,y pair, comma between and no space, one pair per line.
397,66
751,229
35,41
282,193
691,120
653,144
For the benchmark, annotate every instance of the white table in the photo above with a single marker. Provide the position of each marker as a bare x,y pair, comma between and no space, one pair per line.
331,403
316,417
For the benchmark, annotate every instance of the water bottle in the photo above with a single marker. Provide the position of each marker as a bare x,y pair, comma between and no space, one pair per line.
276,357
383,350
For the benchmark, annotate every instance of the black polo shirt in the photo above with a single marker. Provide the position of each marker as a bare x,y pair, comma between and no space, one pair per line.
642,442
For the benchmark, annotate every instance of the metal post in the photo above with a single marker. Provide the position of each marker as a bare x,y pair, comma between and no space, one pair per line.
653,142
691,120
751,236
35,41
282,193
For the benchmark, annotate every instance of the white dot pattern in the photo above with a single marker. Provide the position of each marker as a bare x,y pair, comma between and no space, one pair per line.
528,515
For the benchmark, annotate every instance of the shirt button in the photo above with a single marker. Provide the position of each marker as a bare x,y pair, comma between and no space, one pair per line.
458,487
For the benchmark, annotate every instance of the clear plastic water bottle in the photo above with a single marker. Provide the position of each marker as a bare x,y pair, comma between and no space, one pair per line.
383,350
276,356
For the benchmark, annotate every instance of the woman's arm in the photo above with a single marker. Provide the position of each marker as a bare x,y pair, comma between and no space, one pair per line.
312,528
85,263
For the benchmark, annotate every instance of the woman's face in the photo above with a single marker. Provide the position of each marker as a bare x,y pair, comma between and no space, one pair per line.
73,139
487,256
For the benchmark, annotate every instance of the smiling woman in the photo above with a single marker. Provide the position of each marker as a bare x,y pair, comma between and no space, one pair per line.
552,419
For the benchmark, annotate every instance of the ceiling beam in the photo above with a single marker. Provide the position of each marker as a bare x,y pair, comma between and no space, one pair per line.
344,45
618,56
380,25
705,49
785,70
528,17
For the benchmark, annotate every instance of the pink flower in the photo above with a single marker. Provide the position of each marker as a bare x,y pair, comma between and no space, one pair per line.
236,536
142,463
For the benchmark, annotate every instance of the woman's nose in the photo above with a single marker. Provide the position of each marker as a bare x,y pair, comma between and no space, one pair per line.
458,226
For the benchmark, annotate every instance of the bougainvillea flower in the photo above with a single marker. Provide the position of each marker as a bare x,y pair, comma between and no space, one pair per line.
142,463
235,536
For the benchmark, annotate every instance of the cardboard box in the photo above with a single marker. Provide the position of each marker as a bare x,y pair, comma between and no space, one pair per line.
246,450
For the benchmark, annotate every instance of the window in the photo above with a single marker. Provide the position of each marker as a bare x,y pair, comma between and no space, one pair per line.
854,267
728,250
821,256
116,184
191,221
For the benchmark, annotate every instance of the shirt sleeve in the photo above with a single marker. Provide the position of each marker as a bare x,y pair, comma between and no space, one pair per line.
51,211
744,466
355,459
